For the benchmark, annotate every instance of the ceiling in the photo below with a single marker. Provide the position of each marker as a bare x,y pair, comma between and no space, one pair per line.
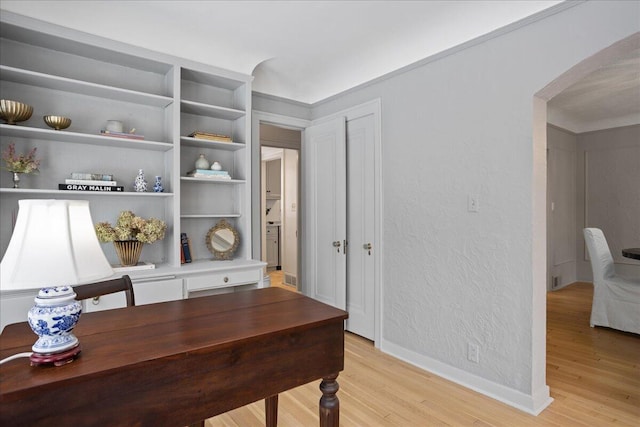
307,51
608,97
300,50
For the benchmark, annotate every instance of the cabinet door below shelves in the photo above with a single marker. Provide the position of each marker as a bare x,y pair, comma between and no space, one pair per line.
273,246
272,251
273,179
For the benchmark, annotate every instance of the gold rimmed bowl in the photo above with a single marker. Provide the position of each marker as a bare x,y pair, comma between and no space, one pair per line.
13,111
57,122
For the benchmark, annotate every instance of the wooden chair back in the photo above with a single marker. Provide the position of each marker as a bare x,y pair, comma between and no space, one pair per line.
94,290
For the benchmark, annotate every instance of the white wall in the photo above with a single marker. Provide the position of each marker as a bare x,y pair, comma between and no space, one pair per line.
561,206
462,125
262,102
593,182
609,194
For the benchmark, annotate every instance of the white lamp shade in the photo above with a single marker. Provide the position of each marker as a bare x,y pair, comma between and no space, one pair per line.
53,244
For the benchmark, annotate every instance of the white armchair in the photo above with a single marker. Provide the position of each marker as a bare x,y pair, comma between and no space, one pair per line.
616,299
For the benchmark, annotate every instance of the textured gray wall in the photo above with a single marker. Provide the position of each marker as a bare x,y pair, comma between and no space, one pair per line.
609,194
456,126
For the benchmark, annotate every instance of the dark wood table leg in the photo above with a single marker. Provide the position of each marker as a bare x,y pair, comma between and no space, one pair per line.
271,411
329,403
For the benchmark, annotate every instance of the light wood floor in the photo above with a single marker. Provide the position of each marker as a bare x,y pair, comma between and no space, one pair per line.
277,280
593,373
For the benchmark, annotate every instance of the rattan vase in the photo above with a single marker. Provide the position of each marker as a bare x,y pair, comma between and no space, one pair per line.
128,251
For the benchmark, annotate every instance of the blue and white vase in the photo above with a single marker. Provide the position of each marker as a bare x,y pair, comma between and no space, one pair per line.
157,186
140,185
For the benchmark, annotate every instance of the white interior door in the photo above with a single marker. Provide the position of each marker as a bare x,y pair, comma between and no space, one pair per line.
324,224
360,226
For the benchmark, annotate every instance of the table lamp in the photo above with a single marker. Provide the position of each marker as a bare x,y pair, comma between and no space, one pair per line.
53,247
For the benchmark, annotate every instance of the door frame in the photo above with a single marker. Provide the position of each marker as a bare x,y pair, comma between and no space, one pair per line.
371,107
258,117
539,258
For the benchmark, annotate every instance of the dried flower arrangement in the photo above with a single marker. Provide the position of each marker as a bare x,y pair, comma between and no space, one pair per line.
20,163
131,227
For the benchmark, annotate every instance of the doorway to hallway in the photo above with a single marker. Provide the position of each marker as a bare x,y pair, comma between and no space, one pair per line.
366,298
280,171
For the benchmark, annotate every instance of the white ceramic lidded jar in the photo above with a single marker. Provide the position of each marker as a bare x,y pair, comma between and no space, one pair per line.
216,166
202,162
115,126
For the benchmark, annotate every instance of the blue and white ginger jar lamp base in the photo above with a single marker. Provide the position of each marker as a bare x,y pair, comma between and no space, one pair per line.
53,318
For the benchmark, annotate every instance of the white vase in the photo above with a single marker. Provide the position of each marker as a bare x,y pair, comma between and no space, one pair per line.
115,126
202,162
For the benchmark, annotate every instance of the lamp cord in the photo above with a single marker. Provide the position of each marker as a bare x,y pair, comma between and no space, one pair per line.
15,356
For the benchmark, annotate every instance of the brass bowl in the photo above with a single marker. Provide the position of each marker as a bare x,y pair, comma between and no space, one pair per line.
57,122
14,111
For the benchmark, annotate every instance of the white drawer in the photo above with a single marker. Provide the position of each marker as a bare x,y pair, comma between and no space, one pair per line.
225,279
157,291
104,302
144,293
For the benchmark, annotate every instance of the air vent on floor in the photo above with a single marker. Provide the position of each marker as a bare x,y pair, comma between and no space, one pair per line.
290,279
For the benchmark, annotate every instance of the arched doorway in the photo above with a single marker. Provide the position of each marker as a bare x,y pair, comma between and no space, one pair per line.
611,54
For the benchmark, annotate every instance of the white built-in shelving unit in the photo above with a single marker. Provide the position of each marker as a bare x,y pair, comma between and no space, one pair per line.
91,80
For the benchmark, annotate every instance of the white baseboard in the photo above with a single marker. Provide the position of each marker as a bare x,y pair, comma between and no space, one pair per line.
531,404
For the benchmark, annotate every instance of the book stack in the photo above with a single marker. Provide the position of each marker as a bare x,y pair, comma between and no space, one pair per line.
81,181
185,249
113,134
210,136
209,174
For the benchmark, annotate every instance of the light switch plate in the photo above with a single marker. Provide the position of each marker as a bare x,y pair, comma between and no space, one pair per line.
473,203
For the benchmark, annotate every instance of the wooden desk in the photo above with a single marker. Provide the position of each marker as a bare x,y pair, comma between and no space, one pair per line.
179,362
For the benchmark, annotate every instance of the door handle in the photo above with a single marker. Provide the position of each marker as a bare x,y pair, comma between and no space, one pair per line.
336,244
367,247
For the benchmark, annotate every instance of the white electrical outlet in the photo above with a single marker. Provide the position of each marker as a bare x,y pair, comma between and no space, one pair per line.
473,352
473,203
